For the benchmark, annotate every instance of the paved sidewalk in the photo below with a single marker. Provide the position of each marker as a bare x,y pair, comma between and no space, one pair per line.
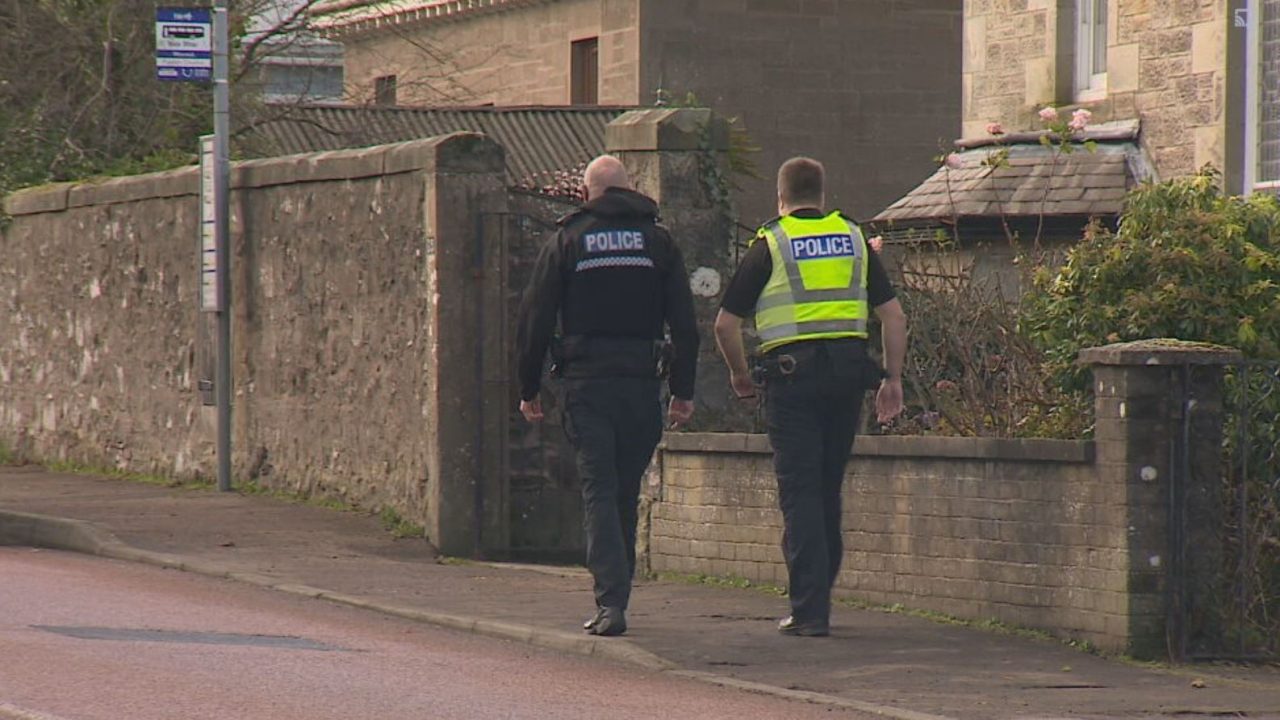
877,663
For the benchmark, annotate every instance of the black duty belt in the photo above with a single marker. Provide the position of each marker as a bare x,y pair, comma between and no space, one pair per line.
578,356
803,356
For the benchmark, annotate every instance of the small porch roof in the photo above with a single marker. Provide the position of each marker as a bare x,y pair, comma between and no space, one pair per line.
1036,179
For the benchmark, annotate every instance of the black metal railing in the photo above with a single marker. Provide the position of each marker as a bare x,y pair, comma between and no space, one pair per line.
1225,519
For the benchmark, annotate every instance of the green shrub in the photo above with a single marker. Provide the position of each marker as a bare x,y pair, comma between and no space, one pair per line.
1187,262
1192,263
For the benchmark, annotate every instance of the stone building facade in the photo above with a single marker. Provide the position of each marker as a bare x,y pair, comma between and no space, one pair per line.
873,89
1177,66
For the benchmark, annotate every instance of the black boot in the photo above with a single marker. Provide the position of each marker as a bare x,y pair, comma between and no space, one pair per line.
790,626
608,621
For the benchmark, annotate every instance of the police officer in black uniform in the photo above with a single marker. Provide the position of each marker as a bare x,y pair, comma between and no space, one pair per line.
614,278
811,281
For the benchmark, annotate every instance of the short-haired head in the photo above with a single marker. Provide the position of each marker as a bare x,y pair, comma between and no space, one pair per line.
603,173
800,184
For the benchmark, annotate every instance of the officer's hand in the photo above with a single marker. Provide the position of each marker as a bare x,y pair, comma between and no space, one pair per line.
742,385
889,400
679,412
531,409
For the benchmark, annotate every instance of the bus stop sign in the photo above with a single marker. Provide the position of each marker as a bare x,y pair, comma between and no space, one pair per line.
184,44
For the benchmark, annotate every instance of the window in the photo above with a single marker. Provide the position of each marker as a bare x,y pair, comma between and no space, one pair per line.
384,90
584,72
1091,49
1267,97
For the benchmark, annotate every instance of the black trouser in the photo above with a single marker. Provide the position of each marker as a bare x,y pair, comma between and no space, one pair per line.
615,424
812,417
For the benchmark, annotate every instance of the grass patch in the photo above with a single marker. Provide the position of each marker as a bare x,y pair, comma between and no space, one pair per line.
391,520
7,456
398,526
986,625
450,560
252,489
76,468
731,581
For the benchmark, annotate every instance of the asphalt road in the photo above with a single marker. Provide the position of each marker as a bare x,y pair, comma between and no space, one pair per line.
84,638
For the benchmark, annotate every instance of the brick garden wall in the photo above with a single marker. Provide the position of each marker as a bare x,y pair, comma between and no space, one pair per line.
1025,531
1067,536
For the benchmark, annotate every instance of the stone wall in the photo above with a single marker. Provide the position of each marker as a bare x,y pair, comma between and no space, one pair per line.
515,56
1166,65
1067,536
352,379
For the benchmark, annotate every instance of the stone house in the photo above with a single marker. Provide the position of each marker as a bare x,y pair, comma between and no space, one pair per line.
1172,86
871,88
1183,68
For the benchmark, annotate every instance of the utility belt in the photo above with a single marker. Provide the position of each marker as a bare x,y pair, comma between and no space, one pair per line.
839,358
582,356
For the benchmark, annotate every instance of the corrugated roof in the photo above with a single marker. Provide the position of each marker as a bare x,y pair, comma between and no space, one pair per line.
538,139
1035,180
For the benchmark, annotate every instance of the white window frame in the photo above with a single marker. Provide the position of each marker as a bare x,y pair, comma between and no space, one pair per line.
1253,180
1090,84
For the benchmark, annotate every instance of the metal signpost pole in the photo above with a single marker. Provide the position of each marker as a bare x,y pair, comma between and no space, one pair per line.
222,178
191,46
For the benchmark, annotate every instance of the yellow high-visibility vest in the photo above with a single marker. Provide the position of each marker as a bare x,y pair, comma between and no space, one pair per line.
818,288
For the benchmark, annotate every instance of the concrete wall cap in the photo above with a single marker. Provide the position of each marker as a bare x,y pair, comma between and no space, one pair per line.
666,129
1160,351
459,152
42,199
917,446
168,183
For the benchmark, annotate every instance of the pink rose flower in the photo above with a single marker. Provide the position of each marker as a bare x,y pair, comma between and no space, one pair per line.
954,162
876,243
1049,114
1080,119
995,128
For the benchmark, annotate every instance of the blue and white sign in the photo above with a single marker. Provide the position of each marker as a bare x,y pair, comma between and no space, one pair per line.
184,44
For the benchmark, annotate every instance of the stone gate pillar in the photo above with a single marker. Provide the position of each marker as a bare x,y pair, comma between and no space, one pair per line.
1159,415
466,404
678,156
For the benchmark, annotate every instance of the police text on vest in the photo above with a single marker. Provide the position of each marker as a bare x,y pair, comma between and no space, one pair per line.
608,240
822,246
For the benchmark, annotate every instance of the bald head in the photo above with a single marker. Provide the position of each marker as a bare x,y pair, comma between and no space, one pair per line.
603,173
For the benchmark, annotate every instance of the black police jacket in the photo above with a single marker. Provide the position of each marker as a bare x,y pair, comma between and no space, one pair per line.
610,272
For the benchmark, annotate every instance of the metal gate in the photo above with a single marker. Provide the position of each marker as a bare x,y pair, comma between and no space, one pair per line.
1224,588
544,493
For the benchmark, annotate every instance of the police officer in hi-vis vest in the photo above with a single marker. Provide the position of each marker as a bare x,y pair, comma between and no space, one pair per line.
613,277
810,281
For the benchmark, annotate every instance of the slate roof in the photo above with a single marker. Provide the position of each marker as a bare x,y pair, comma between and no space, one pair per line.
1035,180
538,139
